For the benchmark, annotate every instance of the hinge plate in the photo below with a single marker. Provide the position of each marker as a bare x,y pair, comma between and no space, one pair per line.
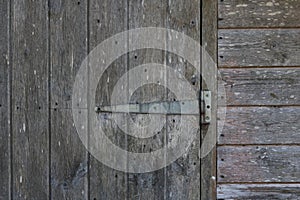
206,99
185,107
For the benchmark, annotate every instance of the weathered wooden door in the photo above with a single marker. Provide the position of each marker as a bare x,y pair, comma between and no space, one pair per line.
45,45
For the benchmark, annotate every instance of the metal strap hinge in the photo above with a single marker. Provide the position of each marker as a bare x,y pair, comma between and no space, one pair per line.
184,107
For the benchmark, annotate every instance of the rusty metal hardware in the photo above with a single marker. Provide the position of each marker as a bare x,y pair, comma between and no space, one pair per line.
183,107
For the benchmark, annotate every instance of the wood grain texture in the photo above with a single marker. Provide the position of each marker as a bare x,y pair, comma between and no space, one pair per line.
264,13
258,164
269,86
255,47
261,125
68,158
149,185
68,48
183,175
209,43
4,101
30,111
259,191
106,18
249,37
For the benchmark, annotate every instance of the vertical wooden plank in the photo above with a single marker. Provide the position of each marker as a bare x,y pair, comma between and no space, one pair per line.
68,48
4,101
183,175
209,43
30,102
106,19
147,13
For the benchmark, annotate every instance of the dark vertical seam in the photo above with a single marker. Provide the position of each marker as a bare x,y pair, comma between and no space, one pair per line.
167,96
217,63
87,53
167,52
127,69
201,79
10,107
49,96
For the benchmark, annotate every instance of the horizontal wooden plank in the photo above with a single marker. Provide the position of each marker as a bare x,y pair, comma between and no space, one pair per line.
267,86
263,13
261,125
258,164
278,47
259,191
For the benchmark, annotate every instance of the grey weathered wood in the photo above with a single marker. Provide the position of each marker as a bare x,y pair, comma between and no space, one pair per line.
259,191
68,158
183,175
68,48
209,42
269,86
255,47
265,13
30,102
4,102
261,125
258,164
106,19
147,14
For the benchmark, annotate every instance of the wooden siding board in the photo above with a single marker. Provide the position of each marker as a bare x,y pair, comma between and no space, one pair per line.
260,38
68,48
261,125
30,102
259,47
183,175
209,42
106,19
4,102
149,185
259,191
264,13
268,86
258,164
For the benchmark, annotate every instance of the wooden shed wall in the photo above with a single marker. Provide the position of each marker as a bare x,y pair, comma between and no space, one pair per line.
42,46
259,57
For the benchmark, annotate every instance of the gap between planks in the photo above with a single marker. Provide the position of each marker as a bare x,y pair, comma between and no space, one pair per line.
257,67
258,28
258,145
